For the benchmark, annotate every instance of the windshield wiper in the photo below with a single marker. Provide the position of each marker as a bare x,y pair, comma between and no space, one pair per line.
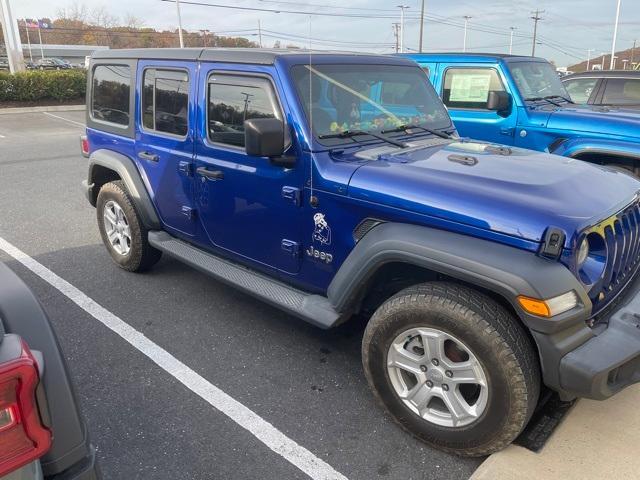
409,126
547,98
568,100
355,133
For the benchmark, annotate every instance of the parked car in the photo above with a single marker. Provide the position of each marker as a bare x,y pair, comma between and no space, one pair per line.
521,101
4,64
330,185
42,434
610,88
52,64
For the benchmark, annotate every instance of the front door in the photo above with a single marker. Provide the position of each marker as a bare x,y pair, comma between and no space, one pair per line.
247,205
465,92
165,140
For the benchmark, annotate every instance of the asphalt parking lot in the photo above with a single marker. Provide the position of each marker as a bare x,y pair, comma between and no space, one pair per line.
306,383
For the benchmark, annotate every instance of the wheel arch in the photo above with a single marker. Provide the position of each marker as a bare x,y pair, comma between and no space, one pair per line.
391,250
106,166
602,152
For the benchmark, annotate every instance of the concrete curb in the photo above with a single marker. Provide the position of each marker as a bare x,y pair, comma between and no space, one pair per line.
597,440
51,108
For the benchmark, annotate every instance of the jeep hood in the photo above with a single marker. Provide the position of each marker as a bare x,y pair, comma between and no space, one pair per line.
597,120
507,190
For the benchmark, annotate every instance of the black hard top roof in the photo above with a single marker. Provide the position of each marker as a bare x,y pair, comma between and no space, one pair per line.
605,74
226,55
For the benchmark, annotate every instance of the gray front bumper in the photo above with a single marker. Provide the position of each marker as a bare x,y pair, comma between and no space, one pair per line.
610,361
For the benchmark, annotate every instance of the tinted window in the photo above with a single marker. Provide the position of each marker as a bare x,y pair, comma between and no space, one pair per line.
622,91
165,101
580,89
111,93
232,101
470,87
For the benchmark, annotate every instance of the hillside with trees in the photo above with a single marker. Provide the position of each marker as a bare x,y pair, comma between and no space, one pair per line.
78,25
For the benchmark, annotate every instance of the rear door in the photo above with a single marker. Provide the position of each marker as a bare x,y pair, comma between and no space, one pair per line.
465,91
165,107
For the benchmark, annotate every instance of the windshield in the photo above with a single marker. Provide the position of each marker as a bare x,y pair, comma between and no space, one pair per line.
368,98
537,80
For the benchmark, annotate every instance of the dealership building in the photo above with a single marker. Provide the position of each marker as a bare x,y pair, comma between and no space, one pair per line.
74,54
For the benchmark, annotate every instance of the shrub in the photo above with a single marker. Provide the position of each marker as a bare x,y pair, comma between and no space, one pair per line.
32,86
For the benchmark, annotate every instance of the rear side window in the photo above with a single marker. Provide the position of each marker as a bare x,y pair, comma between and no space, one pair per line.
470,87
232,102
581,89
110,93
622,91
165,101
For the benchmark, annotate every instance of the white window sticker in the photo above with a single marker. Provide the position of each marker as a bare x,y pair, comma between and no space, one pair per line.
470,88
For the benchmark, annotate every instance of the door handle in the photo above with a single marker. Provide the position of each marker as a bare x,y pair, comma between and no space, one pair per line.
152,157
212,174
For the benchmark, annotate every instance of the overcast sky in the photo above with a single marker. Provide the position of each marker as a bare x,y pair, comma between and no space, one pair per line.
568,28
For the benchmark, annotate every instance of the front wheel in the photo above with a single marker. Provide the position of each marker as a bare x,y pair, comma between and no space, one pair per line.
452,367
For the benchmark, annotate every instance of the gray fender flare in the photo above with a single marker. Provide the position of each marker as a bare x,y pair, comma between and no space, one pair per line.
504,270
126,169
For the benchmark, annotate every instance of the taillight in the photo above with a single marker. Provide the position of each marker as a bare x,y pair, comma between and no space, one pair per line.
23,438
84,145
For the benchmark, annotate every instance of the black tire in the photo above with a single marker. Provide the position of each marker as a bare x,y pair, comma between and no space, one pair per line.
141,255
497,340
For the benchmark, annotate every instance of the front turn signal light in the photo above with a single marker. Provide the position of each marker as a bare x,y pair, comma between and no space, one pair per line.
550,307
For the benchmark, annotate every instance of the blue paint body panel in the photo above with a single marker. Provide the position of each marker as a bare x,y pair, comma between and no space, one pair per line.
510,196
564,129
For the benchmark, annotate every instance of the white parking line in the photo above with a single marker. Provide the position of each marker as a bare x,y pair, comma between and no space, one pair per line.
273,438
62,118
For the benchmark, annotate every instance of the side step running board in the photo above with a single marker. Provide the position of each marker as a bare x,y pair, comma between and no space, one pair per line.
312,308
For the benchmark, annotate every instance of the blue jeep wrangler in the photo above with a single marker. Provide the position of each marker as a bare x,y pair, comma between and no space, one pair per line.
521,101
331,185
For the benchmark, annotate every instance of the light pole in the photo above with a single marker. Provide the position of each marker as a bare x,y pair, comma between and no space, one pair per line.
536,18
615,35
624,64
511,40
604,57
589,50
11,38
421,26
464,41
402,9
179,24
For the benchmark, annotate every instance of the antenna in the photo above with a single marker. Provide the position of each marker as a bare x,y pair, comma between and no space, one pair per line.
313,200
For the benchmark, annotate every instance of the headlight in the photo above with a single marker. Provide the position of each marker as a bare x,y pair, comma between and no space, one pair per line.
583,252
591,259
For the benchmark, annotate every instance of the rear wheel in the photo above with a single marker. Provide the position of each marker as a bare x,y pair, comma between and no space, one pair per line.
452,367
122,229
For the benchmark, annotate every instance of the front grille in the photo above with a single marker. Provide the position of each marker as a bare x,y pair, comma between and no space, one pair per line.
621,233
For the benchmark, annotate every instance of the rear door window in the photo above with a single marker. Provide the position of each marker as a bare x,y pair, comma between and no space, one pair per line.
110,94
622,91
470,87
581,89
165,101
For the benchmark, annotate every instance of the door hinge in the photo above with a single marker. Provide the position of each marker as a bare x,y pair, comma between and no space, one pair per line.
188,212
291,193
291,247
185,167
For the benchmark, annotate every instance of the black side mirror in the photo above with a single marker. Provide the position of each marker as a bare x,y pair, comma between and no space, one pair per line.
264,137
499,101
